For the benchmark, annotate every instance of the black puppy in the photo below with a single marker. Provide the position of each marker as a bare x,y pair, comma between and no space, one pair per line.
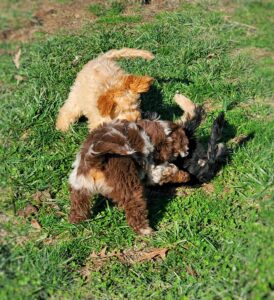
204,162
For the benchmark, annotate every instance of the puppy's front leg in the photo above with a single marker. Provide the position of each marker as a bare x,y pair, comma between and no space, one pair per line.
166,173
80,205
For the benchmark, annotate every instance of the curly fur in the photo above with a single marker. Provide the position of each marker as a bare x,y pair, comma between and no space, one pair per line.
204,162
102,91
115,161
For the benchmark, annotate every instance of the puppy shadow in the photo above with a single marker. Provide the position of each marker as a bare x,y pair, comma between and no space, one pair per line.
152,101
158,198
228,133
82,119
100,203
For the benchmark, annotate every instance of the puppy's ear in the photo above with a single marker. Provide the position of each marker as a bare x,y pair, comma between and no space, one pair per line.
106,104
138,84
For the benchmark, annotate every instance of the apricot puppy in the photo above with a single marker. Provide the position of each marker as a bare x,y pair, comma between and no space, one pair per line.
102,91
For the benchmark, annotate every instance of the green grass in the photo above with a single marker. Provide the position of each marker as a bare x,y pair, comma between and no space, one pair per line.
226,236
108,9
110,13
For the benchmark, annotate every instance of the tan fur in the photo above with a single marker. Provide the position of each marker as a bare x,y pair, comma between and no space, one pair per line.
187,106
102,91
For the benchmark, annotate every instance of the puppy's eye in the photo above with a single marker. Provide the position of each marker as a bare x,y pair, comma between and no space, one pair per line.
201,162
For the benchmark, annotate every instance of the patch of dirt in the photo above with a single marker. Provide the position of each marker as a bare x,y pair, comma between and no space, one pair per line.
255,52
228,6
210,106
50,16
148,11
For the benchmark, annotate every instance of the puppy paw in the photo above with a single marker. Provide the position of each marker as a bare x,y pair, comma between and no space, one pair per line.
62,126
148,55
76,218
182,177
145,231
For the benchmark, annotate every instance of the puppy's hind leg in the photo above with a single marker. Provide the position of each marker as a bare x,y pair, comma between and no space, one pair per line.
80,205
68,114
136,212
128,193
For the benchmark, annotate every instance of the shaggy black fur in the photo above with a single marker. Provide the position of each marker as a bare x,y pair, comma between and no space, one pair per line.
203,163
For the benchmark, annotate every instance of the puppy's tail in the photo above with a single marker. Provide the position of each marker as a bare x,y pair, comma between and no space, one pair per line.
128,53
102,148
97,154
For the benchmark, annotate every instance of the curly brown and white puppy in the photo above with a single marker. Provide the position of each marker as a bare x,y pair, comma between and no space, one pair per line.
102,91
115,160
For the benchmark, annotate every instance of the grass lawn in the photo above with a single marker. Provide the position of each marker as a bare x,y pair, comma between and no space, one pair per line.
217,239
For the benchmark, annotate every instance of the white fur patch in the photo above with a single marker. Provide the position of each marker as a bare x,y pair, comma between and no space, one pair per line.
129,149
132,126
155,173
115,131
102,188
165,126
148,146
81,181
201,162
91,151
183,153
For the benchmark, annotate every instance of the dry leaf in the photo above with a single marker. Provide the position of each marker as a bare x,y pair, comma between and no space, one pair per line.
3,233
239,139
24,135
16,59
19,78
85,272
60,213
4,218
210,55
27,211
21,240
35,224
49,241
103,252
184,191
161,252
41,196
76,60
208,187
191,271
130,256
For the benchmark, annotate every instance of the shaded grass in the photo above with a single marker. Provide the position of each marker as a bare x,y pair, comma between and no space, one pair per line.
225,236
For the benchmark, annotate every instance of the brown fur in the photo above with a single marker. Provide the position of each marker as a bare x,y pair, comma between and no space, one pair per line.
167,147
128,191
107,164
80,205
